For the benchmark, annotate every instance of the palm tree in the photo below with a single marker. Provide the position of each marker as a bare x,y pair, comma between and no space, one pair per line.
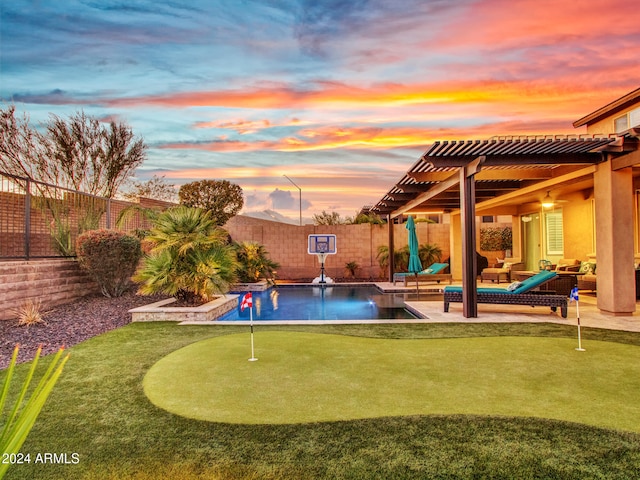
400,258
429,254
190,258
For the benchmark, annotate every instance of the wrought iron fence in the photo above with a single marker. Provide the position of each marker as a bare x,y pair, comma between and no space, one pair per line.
40,220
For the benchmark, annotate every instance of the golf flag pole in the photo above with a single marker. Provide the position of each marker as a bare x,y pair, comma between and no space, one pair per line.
247,301
575,296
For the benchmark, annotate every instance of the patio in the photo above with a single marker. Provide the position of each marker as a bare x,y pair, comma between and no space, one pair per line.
431,307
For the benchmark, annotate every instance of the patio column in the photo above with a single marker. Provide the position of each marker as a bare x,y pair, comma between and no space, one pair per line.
613,192
468,223
391,261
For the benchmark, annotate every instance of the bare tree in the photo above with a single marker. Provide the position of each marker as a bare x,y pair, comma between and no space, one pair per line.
93,158
23,150
156,187
78,153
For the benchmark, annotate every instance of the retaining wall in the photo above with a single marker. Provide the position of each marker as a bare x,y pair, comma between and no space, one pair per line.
53,282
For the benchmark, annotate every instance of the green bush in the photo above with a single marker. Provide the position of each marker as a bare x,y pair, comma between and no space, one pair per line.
110,257
493,239
254,263
191,257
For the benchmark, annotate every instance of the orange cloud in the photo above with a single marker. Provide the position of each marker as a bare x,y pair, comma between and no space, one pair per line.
567,98
376,137
501,24
240,126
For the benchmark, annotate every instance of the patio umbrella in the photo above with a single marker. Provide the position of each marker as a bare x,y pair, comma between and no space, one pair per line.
415,265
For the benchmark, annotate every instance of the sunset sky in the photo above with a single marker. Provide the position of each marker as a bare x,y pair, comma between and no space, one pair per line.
341,96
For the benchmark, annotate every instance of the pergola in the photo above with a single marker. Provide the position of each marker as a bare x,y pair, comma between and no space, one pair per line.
475,175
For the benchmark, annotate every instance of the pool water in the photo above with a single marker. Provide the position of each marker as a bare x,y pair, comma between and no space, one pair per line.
322,303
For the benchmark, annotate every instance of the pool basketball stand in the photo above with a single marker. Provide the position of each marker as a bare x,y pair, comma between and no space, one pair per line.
322,245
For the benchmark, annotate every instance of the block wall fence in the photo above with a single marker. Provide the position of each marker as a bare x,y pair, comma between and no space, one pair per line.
12,221
287,245
58,281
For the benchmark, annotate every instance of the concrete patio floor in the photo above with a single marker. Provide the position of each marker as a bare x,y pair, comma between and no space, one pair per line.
429,304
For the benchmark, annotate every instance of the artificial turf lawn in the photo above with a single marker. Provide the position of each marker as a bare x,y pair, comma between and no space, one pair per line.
305,377
99,410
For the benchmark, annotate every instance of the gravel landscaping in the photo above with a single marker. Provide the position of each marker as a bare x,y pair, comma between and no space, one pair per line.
68,325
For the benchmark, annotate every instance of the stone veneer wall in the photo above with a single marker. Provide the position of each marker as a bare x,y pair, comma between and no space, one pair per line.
287,245
53,282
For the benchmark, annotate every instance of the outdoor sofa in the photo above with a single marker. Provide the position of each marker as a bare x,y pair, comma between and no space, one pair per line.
502,272
518,293
429,274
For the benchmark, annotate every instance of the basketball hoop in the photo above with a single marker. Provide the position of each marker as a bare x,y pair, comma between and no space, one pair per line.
322,245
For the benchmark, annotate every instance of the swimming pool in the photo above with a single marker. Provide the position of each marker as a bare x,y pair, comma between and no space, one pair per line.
334,302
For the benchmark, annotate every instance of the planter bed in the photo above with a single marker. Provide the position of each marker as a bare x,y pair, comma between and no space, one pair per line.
162,311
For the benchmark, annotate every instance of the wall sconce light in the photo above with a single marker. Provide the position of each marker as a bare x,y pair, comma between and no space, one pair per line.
547,201
526,218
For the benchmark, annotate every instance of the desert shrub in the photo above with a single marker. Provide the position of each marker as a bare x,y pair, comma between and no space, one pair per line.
190,256
254,262
29,312
110,257
352,268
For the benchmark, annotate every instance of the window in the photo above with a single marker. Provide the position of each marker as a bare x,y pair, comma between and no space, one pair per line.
621,123
634,118
554,233
627,121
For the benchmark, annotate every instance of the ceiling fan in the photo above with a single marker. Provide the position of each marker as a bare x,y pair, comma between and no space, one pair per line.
549,202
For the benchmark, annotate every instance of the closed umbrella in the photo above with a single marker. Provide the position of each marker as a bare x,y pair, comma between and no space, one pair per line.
415,265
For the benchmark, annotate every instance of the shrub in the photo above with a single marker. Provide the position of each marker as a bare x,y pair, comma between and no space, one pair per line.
254,263
352,268
190,257
493,239
29,313
429,253
110,257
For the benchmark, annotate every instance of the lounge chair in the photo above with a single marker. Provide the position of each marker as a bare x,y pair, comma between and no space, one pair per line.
429,274
518,293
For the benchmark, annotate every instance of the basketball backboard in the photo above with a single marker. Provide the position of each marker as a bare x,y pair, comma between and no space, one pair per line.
324,243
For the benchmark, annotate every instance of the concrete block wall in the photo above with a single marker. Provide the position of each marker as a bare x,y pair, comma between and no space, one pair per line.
12,220
287,245
53,282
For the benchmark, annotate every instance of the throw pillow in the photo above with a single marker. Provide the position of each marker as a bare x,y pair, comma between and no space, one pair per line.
588,268
513,286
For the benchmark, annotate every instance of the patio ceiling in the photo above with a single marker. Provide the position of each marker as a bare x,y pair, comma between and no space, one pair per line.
514,171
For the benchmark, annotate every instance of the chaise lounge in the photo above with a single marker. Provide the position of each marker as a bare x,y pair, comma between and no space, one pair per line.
429,274
518,293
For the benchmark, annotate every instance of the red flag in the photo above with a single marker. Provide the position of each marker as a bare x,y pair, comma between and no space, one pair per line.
247,301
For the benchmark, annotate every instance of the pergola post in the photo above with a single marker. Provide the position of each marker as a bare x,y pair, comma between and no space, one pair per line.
392,262
468,223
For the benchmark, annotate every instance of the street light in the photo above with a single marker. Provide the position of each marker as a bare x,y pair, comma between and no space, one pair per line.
300,195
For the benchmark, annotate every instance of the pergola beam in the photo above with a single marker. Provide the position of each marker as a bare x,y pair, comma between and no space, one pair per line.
493,174
429,194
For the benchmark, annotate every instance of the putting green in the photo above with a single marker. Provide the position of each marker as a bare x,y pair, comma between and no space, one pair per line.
305,377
